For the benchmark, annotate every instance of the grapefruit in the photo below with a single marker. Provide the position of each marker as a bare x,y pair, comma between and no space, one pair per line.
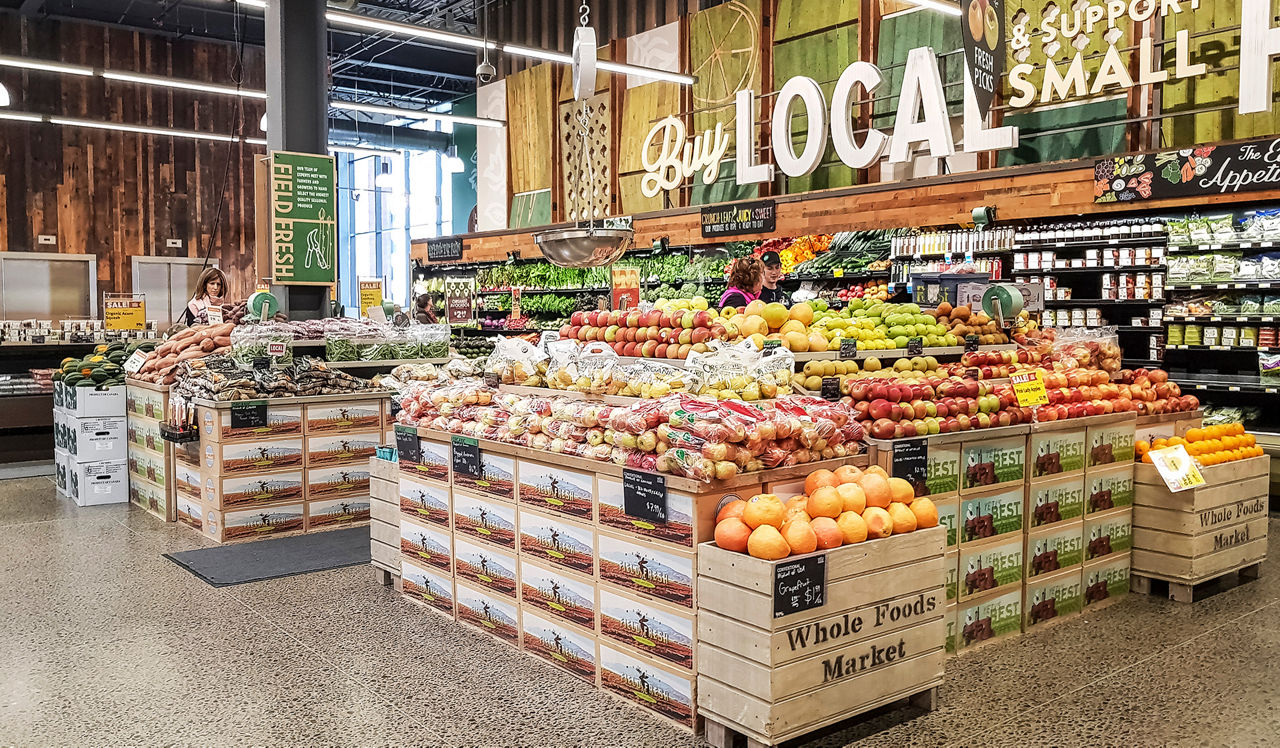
904,520
775,314
802,313
825,502
902,491
828,533
852,527
767,543
854,498
877,470
877,489
796,342
848,474
732,534
754,307
879,523
792,325
819,478
732,509
800,536
926,513
764,509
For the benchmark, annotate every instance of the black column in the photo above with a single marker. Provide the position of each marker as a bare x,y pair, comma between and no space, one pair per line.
297,76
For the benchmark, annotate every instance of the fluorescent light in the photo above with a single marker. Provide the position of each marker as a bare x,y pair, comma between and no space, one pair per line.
164,131
260,4
356,20
538,54
52,67
20,117
256,141
416,114
156,80
651,73
364,151
4,96
939,5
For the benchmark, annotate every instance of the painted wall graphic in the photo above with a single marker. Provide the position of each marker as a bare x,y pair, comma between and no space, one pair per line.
491,163
585,182
656,48
531,128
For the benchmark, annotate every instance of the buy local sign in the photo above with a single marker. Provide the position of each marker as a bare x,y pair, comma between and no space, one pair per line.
670,157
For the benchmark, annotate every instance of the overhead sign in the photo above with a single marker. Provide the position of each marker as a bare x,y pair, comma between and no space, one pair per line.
304,218
982,31
756,217
124,314
444,250
1210,170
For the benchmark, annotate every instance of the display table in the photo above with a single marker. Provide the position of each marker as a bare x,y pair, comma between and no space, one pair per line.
265,468
538,550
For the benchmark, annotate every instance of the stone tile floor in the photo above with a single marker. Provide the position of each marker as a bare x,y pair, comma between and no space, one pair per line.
105,643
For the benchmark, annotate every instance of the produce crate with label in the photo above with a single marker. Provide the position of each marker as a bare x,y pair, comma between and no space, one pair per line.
151,462
384,518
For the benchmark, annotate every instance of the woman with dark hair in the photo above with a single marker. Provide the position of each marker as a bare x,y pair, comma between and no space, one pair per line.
211,287
746,277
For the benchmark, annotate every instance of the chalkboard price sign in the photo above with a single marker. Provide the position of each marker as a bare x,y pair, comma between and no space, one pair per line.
644,495
799,584
831,388
466,456
971,344
910,462
249,414
848,348
915,346
408,448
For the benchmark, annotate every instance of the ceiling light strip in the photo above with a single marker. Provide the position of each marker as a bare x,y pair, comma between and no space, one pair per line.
421,114
186,85
939,5
47,66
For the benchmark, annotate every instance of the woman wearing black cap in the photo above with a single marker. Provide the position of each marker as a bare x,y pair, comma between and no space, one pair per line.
769,291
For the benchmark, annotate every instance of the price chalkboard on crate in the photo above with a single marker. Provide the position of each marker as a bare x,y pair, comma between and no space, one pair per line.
466,456
799,584
408,448
250,414
848,348
831,388
910,460
644,495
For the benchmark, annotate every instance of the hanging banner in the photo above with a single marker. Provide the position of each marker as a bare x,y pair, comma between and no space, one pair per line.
459,299
626,288
1212,170
982,30
124,314
370,295
304,226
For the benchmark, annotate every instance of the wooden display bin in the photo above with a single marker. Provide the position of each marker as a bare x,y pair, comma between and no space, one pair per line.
284,418
1167,425
384,510
879,636
1195,536
942,464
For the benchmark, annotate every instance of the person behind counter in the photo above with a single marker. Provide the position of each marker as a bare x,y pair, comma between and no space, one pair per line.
769,291
211,286
746,276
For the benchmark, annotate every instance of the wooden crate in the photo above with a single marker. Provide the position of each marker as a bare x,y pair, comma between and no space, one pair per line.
1055,501
942,464
987,515
1053,549
387,470
1167,425
991,566
1055,450
1194,536
1109,440
427,586
1052,597
993,460
880,636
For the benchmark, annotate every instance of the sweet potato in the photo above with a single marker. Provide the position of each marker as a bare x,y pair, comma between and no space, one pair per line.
222,330
207,345
190,353
222,341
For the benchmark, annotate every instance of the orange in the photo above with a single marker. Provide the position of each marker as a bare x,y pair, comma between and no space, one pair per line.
852,527
877,489
732,509
767,543
828,533
1159,444
764,509
819,478
904,520
848,474
1237,428
902,491
800,536
1195,435
732,534
854,498
879,522
1142,446
794,512
1147,458
825,502
877,470
926,513
799,500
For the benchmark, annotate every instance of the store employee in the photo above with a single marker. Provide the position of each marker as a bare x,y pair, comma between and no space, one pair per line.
769,291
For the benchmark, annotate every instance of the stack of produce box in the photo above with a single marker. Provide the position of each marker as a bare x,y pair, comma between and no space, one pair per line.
1054,522
90,443
150,456
1108,518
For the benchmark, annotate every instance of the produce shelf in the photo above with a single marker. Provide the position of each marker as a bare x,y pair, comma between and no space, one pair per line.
1104,302
1224,383
388,362
1133,363
1183,249
850,277
1232,286
1230,348
532,291
1133,241
897,353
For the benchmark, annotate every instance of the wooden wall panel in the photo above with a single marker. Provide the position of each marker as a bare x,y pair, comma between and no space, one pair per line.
641,107
119,195
803,17
530,128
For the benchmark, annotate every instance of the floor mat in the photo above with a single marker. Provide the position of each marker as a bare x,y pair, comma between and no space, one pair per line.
283,557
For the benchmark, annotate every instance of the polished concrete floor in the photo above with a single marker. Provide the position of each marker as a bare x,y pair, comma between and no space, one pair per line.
103,642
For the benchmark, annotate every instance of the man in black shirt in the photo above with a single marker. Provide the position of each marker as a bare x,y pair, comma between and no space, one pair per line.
770,292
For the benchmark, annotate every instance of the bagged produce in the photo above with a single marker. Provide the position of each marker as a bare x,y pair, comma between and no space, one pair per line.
250,342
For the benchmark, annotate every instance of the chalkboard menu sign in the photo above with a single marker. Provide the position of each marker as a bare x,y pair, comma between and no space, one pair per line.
250,414
831,388
909,461
848,348
408,448
644,495
444,250
466,456
799,584
915,346
756,217
971,343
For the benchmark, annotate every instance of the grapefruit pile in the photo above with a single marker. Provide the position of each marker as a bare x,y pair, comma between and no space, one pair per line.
838,508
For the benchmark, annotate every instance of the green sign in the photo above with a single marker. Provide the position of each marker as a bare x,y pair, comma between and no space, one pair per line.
304,218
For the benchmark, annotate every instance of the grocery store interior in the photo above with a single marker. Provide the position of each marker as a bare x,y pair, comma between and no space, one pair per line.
634,373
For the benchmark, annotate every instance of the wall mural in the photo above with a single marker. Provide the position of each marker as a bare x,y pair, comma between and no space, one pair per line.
586,195
491,170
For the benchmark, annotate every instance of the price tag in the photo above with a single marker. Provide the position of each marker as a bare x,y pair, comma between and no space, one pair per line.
971,343
644,495
37,339
837,273
261,363
771,345
135,361
1028,387
408,448
215,314
491,379
910,462
848,348
831,388
799,584
276,348
1176,467
250,414
466,456
915,347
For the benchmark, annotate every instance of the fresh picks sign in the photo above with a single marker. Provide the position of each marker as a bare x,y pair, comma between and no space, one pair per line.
922,124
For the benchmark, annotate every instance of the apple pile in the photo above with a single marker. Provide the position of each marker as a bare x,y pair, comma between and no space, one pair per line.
994,364
896,408
651,334
878,290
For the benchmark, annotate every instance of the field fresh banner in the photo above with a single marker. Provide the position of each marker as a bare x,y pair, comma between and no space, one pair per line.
1212,170
304,226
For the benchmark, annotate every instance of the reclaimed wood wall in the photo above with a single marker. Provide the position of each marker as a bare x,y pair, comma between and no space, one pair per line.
118,195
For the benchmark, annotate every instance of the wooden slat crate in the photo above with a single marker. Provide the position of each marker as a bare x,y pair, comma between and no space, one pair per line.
880,636
1195,536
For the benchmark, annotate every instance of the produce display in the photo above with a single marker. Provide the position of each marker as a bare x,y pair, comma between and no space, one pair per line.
873,290
694,437
262,341
222,378
849,252
1209,445
839,507
473,346
100,369
186,345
